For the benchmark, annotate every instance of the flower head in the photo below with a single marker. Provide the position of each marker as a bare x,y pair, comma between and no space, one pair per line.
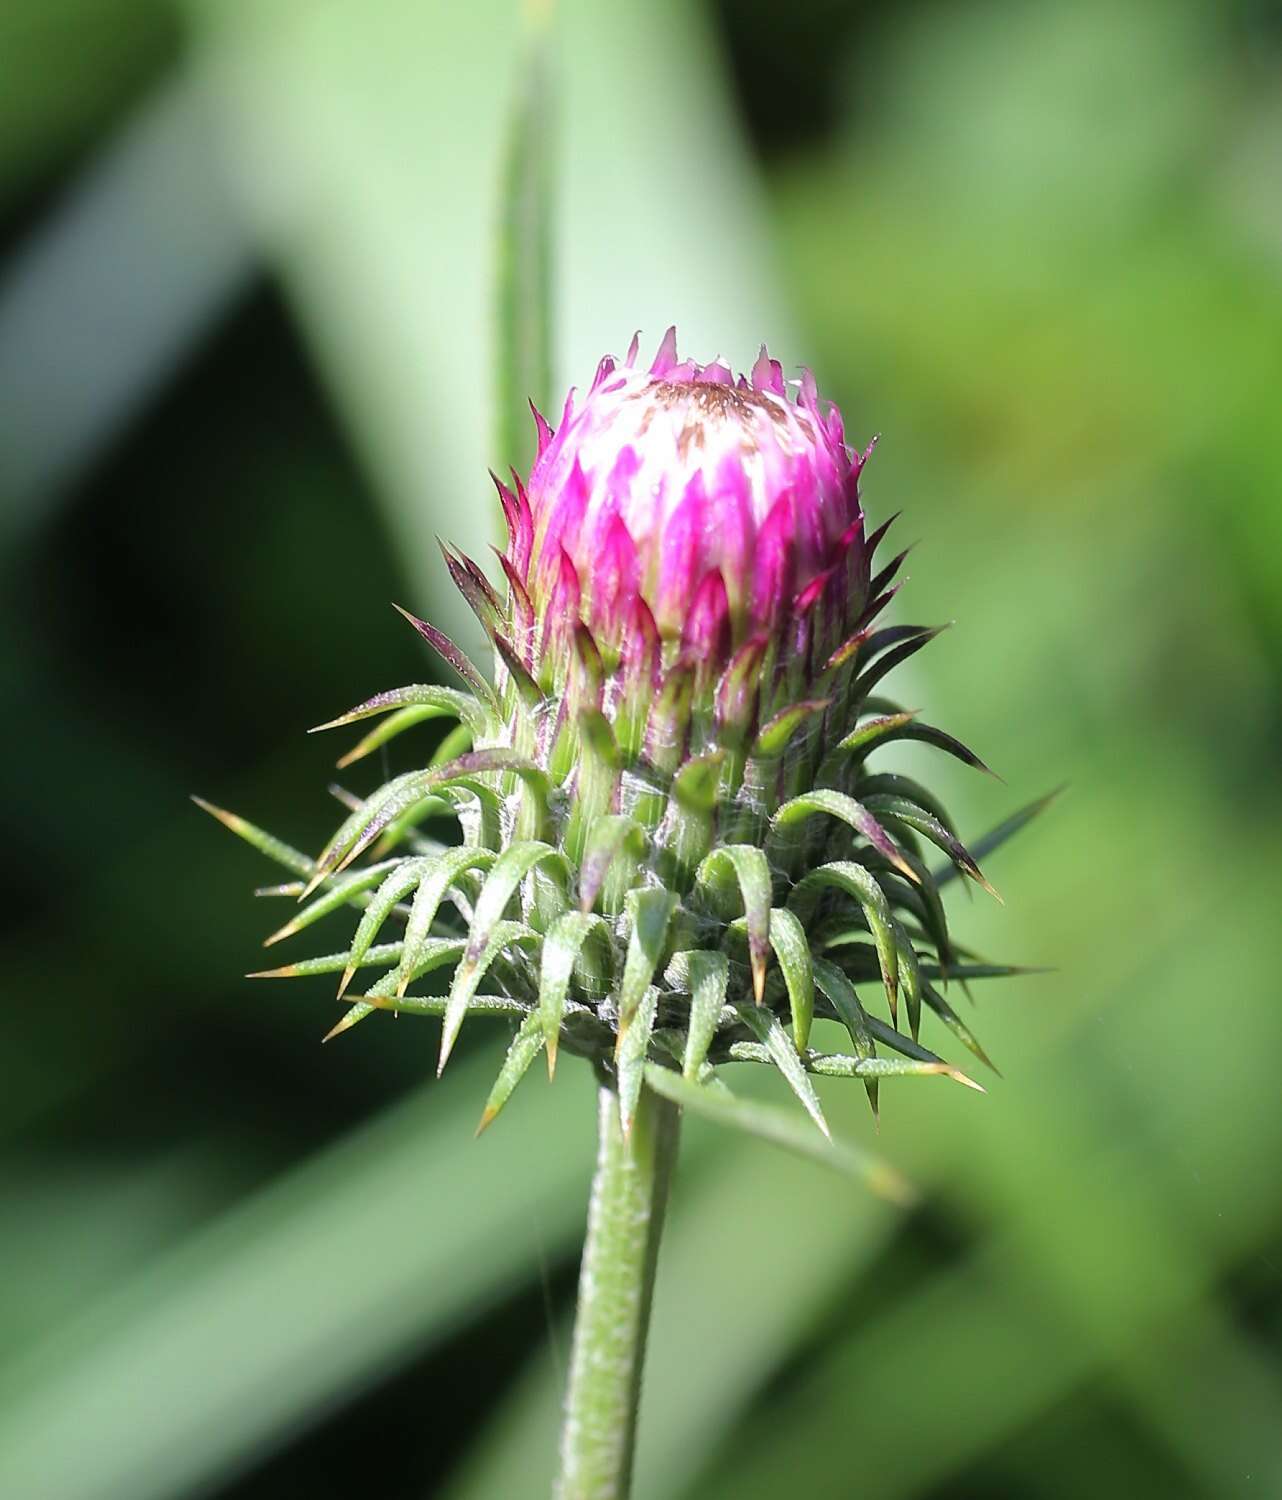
697,493
674,851
685,523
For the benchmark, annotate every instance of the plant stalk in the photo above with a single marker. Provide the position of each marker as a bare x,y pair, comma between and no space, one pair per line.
616,1289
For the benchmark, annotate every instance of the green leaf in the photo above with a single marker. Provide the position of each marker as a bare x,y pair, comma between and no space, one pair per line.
403,792
266,843
368,819
613,838
694,788
449,652
433,700
766,1027
561,949
596,764
906,1047
923,900
525,275
781,1128
509,869
792,949
839,805
630,1062
455,743
910,980
399,883
858,882
841,995
927,734
872,731
775,735
912,815
709,975
330,963
443,874
433,1006
980,970
894,784
841,1065
650,911
689,819
749,866
438,955
394,724
435,955
526,1046
885,664
342,891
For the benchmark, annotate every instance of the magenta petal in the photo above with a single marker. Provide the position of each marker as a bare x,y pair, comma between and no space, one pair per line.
604,370
813,591
566,518
520,611
542,429
520,524
731,505
706,637
587,678
681,555
767,374
849,489
641,653
734,518
561,616
619,483
633,349
507,499
773,563
521,604
614,578
666,357
523,541
716,373
810,534
737,690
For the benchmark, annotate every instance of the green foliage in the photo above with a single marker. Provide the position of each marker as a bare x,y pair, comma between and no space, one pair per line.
1034,246
525,261
688,891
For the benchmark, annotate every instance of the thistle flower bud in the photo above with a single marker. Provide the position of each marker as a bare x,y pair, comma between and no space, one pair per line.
688,520
714,500
675,853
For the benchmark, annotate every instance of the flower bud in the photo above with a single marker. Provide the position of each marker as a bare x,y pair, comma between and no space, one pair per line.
673,847
718,514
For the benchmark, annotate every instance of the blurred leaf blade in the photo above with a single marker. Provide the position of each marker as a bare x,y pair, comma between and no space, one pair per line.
524,291
262,1320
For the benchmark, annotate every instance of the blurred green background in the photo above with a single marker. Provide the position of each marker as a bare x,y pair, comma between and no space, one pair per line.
246,333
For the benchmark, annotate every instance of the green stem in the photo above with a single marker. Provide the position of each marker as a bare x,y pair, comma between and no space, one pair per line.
616,1288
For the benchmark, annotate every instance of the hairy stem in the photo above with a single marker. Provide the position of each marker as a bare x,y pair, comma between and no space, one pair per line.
616,1288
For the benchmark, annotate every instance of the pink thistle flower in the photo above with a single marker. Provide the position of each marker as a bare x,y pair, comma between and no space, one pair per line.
700,473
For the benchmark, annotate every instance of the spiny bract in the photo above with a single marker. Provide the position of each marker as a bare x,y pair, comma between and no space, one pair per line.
674,851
